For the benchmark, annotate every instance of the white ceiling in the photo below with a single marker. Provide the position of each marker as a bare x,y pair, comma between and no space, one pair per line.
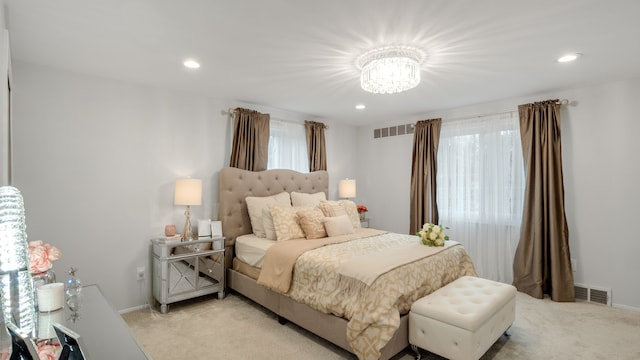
299,55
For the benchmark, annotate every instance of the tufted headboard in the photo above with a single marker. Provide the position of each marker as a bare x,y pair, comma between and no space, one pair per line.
236,184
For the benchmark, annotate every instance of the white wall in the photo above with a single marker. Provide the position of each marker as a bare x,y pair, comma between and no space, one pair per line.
96,161
601,173
5,70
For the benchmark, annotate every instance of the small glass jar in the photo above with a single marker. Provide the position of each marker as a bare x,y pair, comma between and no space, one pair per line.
43,278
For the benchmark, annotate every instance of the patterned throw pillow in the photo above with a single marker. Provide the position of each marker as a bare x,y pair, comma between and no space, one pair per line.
311,222
342,207
352,211
285,221
332,208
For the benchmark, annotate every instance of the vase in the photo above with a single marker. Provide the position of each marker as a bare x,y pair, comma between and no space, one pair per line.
43,278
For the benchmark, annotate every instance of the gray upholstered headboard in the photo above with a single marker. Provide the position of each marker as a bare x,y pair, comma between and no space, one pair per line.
236,184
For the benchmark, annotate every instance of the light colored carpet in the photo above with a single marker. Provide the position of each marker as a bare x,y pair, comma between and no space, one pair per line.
236,328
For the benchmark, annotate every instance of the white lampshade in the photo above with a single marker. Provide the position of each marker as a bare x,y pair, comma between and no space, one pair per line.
347,188
188,192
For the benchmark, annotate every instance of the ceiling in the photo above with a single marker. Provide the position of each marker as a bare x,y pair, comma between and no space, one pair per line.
299,55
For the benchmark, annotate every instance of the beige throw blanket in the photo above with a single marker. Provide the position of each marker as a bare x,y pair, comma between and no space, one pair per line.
361,271
280,259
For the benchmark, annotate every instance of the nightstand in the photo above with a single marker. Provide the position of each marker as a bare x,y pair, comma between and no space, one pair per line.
184,270
364,223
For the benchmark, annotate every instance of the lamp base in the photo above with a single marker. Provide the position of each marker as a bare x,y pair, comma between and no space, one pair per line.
187,234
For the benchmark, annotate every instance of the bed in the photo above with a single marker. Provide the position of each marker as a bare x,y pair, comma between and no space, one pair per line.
364,320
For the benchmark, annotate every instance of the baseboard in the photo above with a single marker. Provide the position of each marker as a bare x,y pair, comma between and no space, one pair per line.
135,308
626,307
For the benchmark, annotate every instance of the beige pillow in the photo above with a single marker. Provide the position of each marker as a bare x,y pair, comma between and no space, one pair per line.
256,204
342,207
338,225
267,222
332,208
352,211
311,222
285,221
304,199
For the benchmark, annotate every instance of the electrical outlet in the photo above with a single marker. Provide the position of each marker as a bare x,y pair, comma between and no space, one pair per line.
574,264
140,273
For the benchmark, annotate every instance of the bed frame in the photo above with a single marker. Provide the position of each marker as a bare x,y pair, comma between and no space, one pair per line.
235,186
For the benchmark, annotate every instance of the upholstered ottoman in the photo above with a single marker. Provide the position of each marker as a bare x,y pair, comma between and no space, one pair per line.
462,319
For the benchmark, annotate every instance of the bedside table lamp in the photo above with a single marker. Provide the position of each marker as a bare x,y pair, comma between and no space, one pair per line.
188,192
347,188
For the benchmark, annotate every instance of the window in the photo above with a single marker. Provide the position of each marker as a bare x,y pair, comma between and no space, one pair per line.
480,190
287,146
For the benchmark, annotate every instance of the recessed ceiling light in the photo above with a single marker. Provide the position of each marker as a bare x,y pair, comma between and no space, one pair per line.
568,57
191,64
360,106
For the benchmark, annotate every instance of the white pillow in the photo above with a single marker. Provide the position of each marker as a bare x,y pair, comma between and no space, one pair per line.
256,204
338,225
309,200
267,222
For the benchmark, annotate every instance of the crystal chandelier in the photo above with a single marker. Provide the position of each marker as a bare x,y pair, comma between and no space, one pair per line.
390,70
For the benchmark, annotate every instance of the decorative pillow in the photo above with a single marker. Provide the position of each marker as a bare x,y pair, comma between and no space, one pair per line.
342,207
332,208
304,199
285,221
267,222
256,204
352,211
311,222
338,225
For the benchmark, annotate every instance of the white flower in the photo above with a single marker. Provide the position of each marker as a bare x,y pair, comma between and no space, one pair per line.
437,229
433,236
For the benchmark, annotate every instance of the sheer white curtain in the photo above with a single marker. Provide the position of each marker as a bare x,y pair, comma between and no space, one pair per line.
287,146
480,189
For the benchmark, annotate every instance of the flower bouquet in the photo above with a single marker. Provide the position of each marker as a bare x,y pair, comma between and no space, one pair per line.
361,211
42,256
432,235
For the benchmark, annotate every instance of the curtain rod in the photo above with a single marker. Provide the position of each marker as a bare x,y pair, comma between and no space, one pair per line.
559,102
231,112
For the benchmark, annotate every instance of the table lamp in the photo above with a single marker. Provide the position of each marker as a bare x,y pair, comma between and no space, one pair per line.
17,298
188,192
347,188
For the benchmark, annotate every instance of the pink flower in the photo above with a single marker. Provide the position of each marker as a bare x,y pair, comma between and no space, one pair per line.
42,256
48,351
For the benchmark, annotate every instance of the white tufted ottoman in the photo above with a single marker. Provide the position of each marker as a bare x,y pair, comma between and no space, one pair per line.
462,319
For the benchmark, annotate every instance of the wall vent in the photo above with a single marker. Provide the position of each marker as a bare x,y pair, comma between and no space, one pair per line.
593,294
404,129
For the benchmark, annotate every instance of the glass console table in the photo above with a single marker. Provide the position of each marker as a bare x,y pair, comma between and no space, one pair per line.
103,332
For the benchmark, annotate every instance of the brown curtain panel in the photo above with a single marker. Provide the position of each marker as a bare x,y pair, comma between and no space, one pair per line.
249,150
542,263
423,174
316,148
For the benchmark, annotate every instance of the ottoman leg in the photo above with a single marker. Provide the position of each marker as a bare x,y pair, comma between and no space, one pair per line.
417,351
